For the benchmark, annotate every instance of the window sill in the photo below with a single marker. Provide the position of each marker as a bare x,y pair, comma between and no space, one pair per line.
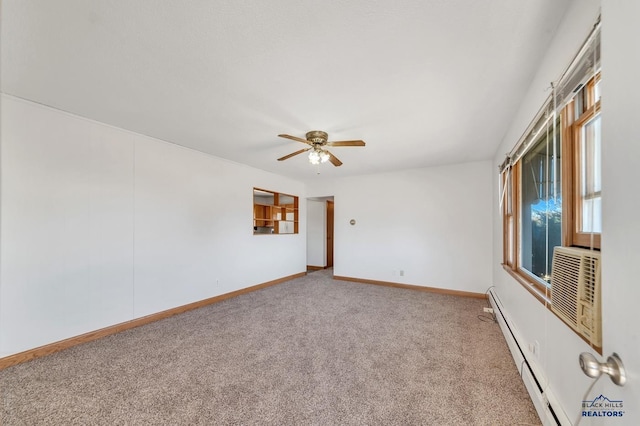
529,284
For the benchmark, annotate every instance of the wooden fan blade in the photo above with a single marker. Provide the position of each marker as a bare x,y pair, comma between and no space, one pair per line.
294,138
334,160
293,153
346,143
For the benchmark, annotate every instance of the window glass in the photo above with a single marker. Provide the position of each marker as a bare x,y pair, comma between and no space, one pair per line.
591,177
541,206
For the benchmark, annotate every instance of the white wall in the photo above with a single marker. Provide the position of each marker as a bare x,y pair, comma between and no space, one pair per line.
430,223
317,233
100,226
67,226
559,346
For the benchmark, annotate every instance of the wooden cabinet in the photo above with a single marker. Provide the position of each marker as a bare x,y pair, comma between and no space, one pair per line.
274,212
262,215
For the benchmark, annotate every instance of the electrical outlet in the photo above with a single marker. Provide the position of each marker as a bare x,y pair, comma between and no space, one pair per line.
401,273
534,348
489,310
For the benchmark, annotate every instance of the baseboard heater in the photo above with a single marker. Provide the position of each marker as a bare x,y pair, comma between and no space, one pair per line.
546,404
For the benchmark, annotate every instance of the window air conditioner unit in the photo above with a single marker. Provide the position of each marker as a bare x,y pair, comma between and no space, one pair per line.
575,291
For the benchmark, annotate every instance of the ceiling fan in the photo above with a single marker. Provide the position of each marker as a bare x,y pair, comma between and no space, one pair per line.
317,141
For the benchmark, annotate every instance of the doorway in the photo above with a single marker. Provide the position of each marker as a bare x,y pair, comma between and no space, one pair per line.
320,232
329,234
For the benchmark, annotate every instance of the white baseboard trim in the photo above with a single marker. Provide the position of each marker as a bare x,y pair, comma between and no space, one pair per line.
535,381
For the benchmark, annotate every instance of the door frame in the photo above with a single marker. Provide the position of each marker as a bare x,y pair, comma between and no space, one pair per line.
329,221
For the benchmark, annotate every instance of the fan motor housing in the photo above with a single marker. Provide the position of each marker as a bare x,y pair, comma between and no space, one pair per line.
317,137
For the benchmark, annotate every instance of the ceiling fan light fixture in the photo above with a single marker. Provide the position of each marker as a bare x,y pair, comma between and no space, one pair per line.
314,157
318,155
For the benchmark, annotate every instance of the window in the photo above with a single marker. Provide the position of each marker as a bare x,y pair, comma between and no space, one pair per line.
551,195
584,174
589,177
540,205
509,221
552,182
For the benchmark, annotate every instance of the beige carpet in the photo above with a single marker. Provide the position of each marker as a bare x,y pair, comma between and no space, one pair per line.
312,351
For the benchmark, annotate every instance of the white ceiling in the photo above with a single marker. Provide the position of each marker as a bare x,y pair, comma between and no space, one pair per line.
423,82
